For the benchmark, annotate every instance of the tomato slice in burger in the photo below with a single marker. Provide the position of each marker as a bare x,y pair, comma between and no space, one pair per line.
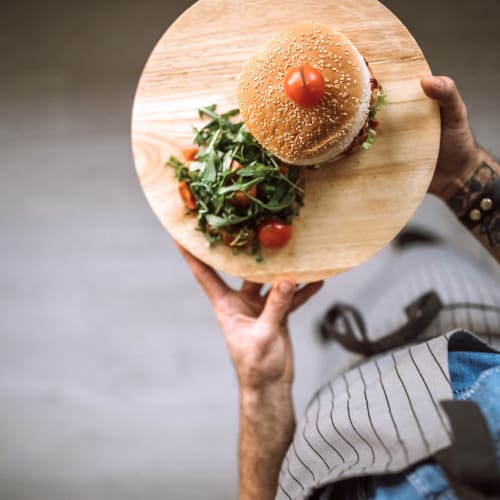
274,234
305,85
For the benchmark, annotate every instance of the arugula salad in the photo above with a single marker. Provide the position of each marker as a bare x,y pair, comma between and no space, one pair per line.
242,195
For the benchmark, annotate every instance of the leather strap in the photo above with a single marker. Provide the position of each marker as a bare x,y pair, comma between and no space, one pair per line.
483,205
345,324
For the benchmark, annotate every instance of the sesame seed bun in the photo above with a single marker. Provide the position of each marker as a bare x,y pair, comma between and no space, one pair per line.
305,135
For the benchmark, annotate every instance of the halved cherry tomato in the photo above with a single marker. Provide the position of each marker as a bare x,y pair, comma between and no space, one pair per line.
190,151
187,196
305,85
274,234
236,165
241,199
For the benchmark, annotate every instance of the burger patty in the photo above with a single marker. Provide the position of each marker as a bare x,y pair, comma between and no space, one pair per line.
370,122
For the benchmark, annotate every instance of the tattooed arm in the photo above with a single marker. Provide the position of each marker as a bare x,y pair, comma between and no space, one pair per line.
475,204
467,178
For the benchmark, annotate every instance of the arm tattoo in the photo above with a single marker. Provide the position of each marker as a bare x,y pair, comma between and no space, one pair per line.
481,180
466,200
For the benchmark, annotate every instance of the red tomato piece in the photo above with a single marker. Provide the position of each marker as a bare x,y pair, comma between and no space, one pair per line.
241,199
305,85
274,234
236,165
187,196
284,168
190,151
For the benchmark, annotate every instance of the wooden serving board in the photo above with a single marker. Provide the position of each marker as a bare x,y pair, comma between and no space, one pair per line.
353,208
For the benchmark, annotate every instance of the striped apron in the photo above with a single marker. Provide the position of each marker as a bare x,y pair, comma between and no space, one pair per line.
383,415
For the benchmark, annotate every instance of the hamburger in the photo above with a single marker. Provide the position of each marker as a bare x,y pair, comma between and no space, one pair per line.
309,97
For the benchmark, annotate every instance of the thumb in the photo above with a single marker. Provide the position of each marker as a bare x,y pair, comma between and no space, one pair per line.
445,92
278,303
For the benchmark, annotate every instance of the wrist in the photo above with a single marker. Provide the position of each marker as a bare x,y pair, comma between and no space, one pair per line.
474,182
255,396
458,178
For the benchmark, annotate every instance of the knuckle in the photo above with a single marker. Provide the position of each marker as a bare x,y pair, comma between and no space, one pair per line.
277,303
450,83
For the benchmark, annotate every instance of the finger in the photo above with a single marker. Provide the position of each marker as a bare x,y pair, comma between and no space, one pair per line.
211,282
251,288
305,293
278,303
445,92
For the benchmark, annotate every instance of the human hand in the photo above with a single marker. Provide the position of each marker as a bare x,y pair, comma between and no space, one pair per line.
254,326
458,153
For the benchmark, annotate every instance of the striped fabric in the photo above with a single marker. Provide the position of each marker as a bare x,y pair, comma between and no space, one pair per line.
384,415
463,285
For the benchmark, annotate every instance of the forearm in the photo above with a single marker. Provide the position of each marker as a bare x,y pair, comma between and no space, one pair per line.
267,424
470,197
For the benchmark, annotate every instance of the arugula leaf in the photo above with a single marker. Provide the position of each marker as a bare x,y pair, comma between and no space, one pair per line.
207,110
370,139
216,221
240,186
381,101
209,173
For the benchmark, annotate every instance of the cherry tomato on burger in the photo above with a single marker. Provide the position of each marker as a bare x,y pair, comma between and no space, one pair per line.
305,85
190,151
187,196
274,234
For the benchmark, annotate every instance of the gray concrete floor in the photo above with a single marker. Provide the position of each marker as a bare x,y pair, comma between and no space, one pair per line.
114,380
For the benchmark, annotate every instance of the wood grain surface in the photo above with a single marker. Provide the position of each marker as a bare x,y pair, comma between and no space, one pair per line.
352,209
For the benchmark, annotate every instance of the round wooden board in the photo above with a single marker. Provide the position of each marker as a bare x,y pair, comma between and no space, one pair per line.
352,209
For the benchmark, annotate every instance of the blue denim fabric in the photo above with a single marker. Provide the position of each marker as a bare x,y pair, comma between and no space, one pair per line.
474,376
486,389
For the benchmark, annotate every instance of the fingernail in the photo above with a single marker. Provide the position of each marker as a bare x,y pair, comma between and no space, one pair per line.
285,287
437,82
